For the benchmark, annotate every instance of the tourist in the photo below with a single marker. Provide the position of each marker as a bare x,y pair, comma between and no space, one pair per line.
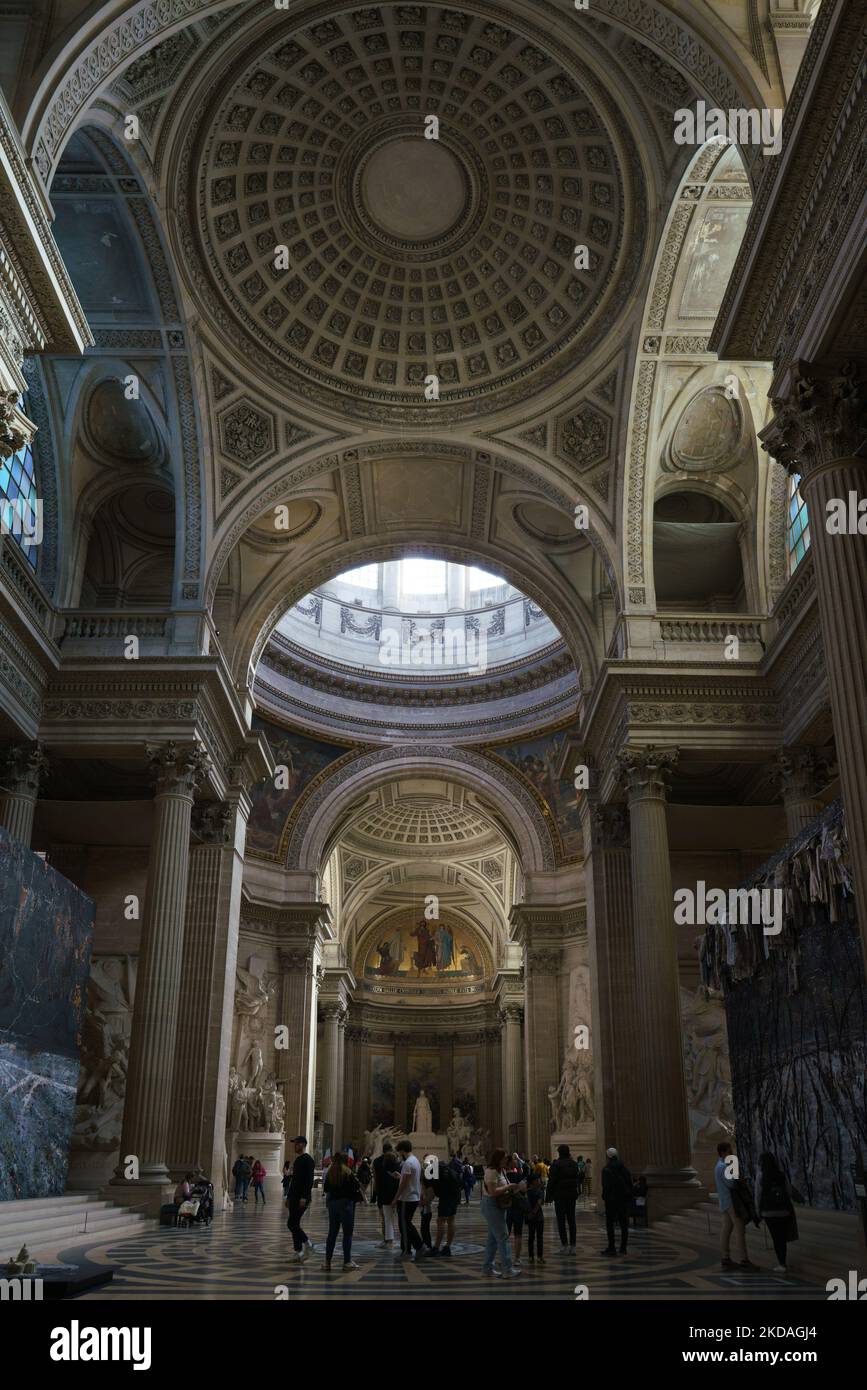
386,1176
363,1174
774,1204
733,1208
407,1199
588,1177
469,1178
342,1191
242,1171
562,1190
203,1192
535,1215
286,1180
518,1210
258,1179
300,1190
448,1189
617,1196
427,1201
497,1195
582,1173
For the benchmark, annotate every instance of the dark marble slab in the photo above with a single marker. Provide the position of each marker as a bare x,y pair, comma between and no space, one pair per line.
45,943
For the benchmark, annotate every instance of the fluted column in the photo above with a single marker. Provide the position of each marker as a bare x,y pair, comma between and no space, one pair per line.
401,1119
202,1054
665,1116
818,431
343,1098
296,1064
511,1018
491,1097
800,773
616,1040
22,769
178,770
332,1014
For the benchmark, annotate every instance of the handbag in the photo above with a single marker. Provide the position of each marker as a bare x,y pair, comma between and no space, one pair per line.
503,1197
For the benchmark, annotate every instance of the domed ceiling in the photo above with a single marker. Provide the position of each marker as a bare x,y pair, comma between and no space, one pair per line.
409,256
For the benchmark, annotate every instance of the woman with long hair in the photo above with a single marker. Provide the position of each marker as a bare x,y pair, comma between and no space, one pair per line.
258,1181
774,1205
497,1194
342,1191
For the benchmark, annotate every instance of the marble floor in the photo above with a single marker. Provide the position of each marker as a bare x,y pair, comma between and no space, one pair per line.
243,1255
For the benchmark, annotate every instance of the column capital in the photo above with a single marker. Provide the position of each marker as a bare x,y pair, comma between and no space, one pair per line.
511,1013
609,826
334,1012
177,768
543,960
23,767
213,822
297,957
646,771
822,418
801,772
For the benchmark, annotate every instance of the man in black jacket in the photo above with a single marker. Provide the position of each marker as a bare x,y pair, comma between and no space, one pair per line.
617,1196
563,1192
299,1193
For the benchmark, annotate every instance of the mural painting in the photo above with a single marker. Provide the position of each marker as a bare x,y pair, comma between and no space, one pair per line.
466,1084
422,950
381,1089
537,759
303,758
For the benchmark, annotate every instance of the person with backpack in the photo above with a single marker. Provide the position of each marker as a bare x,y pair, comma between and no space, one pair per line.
519,1208
342,1191
617,1196
386,1177
448,1190
242,1172
563,1192
774,1204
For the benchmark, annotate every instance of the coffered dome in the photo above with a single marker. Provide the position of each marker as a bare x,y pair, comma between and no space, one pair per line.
409,256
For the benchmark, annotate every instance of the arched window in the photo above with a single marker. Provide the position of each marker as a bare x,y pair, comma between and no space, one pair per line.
798,531
18,501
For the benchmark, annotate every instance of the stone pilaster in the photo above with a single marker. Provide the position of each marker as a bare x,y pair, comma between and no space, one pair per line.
178,770
332,1014
296,1067
666,1156
23,767
800,773
611,947
216,864
819,432
342,1088
511,1020
490,1115
447,1081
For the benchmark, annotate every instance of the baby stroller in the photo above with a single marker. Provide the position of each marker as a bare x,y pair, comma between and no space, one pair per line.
203,1192
188,1211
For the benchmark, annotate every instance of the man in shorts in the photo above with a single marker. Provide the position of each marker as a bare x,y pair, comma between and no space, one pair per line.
448,1189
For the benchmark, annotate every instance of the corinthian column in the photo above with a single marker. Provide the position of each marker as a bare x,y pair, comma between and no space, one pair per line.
178,770
22,768
331,1079
665,1116
819,432
511,1017
611,944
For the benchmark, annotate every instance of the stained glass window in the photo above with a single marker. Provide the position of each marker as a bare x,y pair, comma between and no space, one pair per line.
18,499
798,534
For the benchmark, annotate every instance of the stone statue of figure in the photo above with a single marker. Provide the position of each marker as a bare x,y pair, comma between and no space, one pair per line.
554,1102
251,993
279,1114
706,1067
422,1119
254,1063
458,1131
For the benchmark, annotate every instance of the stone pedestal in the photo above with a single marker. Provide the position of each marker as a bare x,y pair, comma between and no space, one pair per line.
268,1148
423,1144
582,1141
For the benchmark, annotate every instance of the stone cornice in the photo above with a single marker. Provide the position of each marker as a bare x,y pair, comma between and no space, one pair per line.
540,928
807,201
291,925
29,259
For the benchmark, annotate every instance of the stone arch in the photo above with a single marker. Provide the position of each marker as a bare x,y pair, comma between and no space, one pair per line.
318,820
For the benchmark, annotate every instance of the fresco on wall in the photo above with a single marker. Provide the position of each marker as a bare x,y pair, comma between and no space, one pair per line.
466,1084
381,1089
303,758
420,951
423,1074
45,940
537,760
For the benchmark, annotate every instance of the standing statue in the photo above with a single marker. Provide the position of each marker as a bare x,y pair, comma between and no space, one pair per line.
252,992
458,1131
254,1062
422,1119
706,1067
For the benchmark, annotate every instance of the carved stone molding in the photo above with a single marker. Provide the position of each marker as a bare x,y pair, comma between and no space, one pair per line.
541,960
212,823
610,826
646,772
800,773
511,1013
